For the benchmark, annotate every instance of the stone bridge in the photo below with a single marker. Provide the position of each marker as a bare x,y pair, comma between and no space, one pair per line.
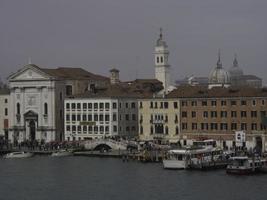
106,144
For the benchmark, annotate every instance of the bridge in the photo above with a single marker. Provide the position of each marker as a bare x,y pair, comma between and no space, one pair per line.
99,144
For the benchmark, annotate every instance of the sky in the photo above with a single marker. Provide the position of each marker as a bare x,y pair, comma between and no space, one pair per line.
98,35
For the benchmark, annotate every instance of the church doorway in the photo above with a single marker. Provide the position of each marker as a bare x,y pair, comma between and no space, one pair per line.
32,130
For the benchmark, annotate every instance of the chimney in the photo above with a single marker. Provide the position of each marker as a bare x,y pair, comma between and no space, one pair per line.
114,76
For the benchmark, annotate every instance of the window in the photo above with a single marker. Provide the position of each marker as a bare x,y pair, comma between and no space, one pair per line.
166,130
68,90
176,130
106,105
141,105
107,129
194,126
233,126
253,126
193,114
84,106
101,117
161,59
127,128
223,103
68,128
243,114
127,117
184,114
223,114
233,103
151,104
253,114
101,106
213,103
78,118
176,119
67,118
73,118
193,103
114,117
184,126
114,105
156,104
73,128
205,114
89,106
254,102
45,109
133,117
263,102
166,105
243,126
204,126
95,117
6,112
133,105
67,106
126,105
233,114
95,105
73,106
6,100
107,117
213,114
141,130
243,103
175,104
96,129
204,103
214,126
84,129
18,109
79,106
157,59
151,130
184,103
224,126
89,118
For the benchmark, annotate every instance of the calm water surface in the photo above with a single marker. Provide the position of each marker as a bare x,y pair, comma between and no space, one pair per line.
78,178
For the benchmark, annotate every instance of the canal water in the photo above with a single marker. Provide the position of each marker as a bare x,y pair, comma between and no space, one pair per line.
81,178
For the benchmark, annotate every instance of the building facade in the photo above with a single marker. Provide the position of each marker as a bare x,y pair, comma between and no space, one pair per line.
91,118
4,112
37,100
198,113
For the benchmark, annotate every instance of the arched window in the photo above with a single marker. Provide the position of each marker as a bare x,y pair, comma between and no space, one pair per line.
157,59
151,130
18,108
176,130
161,59
166,130
45,109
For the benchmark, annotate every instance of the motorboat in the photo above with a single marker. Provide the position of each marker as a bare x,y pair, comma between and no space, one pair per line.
18,154
243,165
62,153
177,159
195,158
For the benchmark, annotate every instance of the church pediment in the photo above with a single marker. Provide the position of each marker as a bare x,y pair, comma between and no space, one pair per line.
29,72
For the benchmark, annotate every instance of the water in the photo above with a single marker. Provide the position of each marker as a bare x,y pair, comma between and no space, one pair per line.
79,178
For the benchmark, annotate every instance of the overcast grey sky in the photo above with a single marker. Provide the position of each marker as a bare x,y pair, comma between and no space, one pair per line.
100,34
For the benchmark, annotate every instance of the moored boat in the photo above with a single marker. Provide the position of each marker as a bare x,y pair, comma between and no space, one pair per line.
177,159
244,165
18,154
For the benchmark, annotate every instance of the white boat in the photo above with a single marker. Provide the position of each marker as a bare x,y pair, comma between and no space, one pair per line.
61,153
18,154
177,159
243,165
195,158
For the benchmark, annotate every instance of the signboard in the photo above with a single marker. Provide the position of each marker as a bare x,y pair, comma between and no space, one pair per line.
87,123
240,137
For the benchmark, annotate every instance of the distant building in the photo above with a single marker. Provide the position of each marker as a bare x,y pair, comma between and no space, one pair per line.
5,112
192,113
37,100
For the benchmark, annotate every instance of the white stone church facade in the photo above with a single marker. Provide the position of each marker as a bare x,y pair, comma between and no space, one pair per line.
37,100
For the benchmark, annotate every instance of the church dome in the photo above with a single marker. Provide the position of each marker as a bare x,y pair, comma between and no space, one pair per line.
219,75
160,41
235,70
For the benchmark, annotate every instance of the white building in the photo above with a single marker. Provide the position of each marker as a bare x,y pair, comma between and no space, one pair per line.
162,67
107,114
37,100
4,112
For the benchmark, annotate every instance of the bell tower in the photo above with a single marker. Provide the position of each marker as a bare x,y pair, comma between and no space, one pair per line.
162,67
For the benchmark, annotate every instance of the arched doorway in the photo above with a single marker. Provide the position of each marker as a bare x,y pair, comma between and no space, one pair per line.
32,130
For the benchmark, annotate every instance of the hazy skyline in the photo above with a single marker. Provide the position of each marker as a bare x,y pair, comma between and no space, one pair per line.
98,35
